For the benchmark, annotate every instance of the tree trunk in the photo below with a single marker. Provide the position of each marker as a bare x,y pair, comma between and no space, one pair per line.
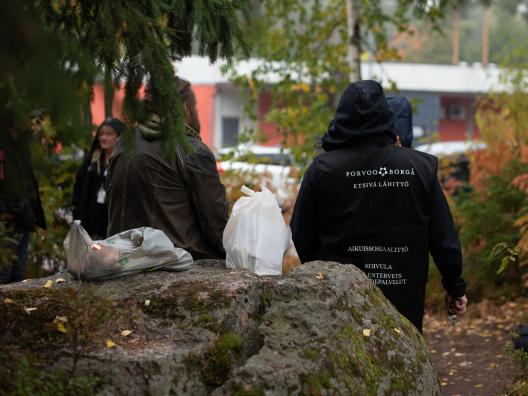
485,34
354,43
455,54
108,90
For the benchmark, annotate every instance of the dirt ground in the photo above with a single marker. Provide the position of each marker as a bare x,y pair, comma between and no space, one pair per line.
470,358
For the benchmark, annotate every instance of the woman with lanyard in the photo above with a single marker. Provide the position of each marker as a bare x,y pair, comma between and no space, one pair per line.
89,195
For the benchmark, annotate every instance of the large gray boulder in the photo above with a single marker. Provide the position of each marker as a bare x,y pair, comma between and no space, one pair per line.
324,329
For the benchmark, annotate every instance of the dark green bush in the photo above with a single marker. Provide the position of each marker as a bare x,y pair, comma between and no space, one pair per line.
486,219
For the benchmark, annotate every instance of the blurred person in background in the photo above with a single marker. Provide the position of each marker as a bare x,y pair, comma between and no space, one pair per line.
89,201
179,193
402,111
20,206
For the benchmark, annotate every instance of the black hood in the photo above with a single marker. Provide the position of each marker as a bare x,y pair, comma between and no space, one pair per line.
362,113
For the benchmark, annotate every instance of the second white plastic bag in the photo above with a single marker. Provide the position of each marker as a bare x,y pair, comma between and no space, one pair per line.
256,236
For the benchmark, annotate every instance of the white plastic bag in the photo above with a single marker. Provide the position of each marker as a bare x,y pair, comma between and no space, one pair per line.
128,252
256,236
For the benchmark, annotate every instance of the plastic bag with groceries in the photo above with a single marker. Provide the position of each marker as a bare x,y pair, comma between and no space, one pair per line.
131,251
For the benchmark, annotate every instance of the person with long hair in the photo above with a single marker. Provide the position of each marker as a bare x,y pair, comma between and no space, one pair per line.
179,193
89,194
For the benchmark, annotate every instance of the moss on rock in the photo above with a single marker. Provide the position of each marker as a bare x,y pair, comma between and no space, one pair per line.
315,384
248,392
310,353
219,361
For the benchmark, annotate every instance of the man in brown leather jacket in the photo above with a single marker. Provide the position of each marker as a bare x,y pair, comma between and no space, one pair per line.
180,194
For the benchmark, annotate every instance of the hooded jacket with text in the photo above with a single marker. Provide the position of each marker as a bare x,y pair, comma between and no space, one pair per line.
380,207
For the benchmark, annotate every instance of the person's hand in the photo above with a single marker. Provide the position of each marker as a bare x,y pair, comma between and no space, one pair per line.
456,306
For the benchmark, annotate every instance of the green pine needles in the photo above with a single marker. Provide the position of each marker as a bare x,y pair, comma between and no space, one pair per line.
132,42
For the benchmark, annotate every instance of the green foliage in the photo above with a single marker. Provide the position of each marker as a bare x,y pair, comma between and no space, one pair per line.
56,49
304,46
56,176
505,111
487,219
492,218
303,49
519,386
40,69
507,253
507,28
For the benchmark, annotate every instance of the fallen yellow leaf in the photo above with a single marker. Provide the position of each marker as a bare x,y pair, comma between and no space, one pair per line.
397,330
30,309
8,301
110,344
60,280
479,386
366,332
147,303
60,327
48,284
125,333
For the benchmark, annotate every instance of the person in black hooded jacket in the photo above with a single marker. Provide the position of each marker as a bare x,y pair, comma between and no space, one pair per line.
368,202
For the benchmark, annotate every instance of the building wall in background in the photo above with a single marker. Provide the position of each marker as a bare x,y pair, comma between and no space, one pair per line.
221,114
456,119
229,117
97,106
426,110
205,97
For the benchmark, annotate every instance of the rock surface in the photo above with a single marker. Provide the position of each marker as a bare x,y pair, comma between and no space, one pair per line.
324,329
